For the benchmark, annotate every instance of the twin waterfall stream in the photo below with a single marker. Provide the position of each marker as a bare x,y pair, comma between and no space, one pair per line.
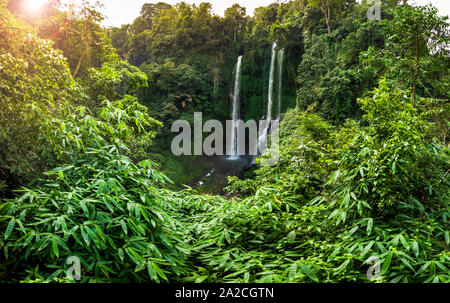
235,163
236,102
277,58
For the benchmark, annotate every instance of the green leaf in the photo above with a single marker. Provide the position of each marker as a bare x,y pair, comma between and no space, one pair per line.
386,263
308,272
246,277
124,226
159,271
234,274
92,235
29,238
353,230
120,252
342,267
334,177
397,279
64,225
85,235
404,242
423,268
368,247
334,253
441,266
415,247
369,226
151,272
406,262
55,246
85,209
227,237
135,256
292,271
54,275
9,228
201,279
291,236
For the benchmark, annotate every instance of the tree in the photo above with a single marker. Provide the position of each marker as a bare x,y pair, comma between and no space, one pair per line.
90,18
325,7
417,34
235,16
150,11
35,82
328,7
119,39
78,34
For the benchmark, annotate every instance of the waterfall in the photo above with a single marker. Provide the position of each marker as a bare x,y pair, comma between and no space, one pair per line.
266,131
271,80
233,146
280,80
262,140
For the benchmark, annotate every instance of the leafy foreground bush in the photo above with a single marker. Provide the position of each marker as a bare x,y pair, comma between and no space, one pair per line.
35,82
391,192
385,204
99,206
104,210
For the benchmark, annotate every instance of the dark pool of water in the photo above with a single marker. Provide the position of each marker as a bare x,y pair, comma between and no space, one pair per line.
218,169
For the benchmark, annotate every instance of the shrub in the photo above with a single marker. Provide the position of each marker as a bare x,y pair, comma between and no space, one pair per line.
98,206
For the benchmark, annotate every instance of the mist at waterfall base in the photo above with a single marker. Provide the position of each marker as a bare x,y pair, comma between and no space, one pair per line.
233,164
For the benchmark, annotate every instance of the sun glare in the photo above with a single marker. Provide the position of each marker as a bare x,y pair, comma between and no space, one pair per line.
35,5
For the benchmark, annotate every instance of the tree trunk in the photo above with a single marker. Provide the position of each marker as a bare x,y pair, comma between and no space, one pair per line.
416,75
216,78
325,8
88,44
81,60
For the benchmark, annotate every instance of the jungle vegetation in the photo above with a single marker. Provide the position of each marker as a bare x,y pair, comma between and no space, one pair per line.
86,168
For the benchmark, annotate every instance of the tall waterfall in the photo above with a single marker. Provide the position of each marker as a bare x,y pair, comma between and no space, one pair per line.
233,146
280,80
265,132
271,80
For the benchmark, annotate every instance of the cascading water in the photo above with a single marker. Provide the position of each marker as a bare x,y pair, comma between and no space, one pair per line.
280,80
262,140
233,146
271,81
265,132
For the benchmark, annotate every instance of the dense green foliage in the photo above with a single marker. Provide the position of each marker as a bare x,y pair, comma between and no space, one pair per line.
35,82
362,178
387,197
99,205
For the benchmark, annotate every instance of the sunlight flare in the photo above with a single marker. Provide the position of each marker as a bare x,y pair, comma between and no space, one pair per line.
35,5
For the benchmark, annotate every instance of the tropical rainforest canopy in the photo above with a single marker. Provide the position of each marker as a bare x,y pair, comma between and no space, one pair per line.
86,168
